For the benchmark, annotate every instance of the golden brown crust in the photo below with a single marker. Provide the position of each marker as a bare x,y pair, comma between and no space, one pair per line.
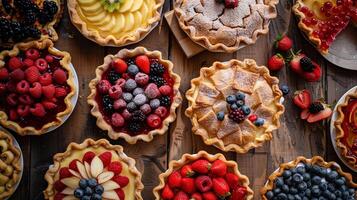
250,65
314,160
101,123
110,40
340,133
72,147
188,158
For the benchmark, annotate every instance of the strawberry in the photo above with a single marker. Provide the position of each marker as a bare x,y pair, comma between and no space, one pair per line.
305,67
232,180
48,91
28,63
45,79
25,99
73,165
59,186
239,193
186,171
196,196
203,183
59,196
32,74
49,105
143,63
60,76
88,157
302,99
106,158
209,196
13,114
121,180
167,193
17,75
188,185
220,187
276,62
22,87
153,120
231,3
41,64
23,110
304,114
32,54
60,92
14,63
283,43
174,180
201,166
4,74
219,168
115,167
181,196
38,110
120,193
65,173
36,90
119,65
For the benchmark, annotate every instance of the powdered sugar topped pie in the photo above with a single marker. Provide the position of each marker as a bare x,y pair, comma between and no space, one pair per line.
222,26
234,105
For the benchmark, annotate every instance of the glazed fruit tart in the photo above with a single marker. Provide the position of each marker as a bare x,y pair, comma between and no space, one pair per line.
203,176
323,20
225,25
346,129
135,95
93,170
10,165
115,22
36,87
235,105
312,179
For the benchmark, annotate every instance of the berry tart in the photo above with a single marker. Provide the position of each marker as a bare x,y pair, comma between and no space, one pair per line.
24,20
10,165
235,105
323,20
225,25
346,129
135,95
203,176
93,170
36,87
115,22
309,179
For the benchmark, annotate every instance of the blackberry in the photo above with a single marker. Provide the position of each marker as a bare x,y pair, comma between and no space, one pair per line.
113,76
107,103
51,7
236,115
306,64
165,101
29,18
156,68
138,116
18,32
32,32
6,30
130,61
316,107
44,17
7,7
134,127
159,81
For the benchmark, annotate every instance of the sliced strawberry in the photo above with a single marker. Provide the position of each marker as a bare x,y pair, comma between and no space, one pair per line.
88,157
121,180
59,186
326,113
106,158
115,167
65,173
73,165
302,99
120,193
304,114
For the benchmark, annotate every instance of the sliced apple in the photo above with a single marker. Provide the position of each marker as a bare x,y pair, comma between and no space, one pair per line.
87,166
68,190
82,170
136,5
105,176
110,195
69,197
96,166
71,182
74,173
110,185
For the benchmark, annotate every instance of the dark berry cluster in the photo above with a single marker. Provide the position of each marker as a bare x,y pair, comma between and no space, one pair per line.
134,127
138,116
107,103
316,107
159,81
89,189
165,101
306,64
113,76
157,69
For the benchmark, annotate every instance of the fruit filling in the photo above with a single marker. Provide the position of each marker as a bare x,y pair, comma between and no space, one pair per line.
33,85
349,126
135,94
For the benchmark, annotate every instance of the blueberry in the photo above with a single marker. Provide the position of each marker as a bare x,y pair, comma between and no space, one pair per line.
326,193
293,171
302,186
234,106
282,196
240,103
140,99
345,194
78,193
88,191
323,172
246,110
99,189
269,195
293,190
308,192
259,122
279,182
305,198
96,197
291,197
289,181
277,191
287,173
338,193
285,89
333,175
131,107
83,183
133,70
301,170
323,186
308,183
331,187
316,180
130,85
138,91
127,97
285,188
86,198
231,99
154,103
297,197
240,96
352,191
306,176
315,169
297,178
220,116
315,191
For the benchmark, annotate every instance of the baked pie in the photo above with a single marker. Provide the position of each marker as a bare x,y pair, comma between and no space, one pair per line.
135,95
115,22
93,170
10,165
234,105
36,87
224,26
203,176
346,129
323,20
312,178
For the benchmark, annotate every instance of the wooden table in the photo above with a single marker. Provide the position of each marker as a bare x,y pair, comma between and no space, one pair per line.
294,138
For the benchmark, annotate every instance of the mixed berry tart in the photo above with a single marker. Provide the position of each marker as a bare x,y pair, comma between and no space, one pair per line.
309,179
203,176
135,95
93,170
235,105
323,20
346,129
36,87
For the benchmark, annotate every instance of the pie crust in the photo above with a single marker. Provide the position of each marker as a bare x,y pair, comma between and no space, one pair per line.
225,80
111,40
188,158
314,160
216,30
65,62
101,123
73,149
340,132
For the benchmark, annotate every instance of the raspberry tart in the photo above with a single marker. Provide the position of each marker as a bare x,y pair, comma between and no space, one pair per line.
93,170
203,176
135,95
235,105
312,179
36,86
115,22
225,25
346,129
323,20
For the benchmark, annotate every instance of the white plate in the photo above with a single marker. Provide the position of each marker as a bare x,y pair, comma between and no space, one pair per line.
333,130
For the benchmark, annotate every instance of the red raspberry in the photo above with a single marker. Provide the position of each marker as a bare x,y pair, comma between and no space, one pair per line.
36,90
49,105
48,91
32,54
119,104
4,74
115,167
73,165
49,59
25,99
143,63
60,76
165,90
121,180
60,92
59,187
88,157
22,87
103,86
11,99
17,75
11,86
161,111
28,63
151,91
115,92
64,173
119,65
23,110
38,110
2,88
14,63
32,74
120,82
13,115
126,114
141,79
45,79
41,64
153,120
106,158
117,120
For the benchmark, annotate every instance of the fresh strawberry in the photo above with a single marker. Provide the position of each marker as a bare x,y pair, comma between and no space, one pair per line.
121,180
283,43
119,66
115,167
59,186
23,110
49,58
45,79
88,157
12,99
304,114
196,196
219,168
203,183
302,99
49,105
106,158
167,193
60,92
174,180
305,67
209,196
59,196
153,120
220,187
17,75
201,166
186,171
73,165
188,185
13,114
4,73
48,91
15,63
27,63
120,193
181,196
32,54
165,90
65,173
38,110
276,62
22,87
239,193
232,180
25,99
36,90
41,64
143,63
231,3
60,76
32,74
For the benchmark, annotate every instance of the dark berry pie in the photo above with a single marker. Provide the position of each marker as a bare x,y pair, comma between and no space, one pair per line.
135,94
36,87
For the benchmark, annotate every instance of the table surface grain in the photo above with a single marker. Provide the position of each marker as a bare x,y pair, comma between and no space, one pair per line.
294,138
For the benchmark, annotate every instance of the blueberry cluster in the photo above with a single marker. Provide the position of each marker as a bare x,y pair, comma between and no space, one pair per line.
311,182
89,189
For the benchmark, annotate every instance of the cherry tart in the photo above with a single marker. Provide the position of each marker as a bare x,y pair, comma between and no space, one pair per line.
323,20
135,95
312,179
36,87
93,170
203,176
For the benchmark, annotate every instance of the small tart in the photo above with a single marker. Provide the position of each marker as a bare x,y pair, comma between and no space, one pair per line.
104,106
346,129
316,166
9,164
21,109
248,123
114,174
187,159
115,22
220,29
